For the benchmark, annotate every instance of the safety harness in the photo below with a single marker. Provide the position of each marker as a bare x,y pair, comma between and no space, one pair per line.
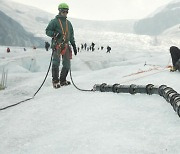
63,45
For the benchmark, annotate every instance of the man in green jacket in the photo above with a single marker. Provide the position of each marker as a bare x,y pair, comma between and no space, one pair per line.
62,33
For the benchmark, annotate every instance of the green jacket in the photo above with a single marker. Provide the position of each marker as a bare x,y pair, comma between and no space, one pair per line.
54,27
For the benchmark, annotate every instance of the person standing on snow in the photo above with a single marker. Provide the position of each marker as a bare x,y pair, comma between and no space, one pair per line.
92,46
108,49
61,31
175,56
8,50
47,45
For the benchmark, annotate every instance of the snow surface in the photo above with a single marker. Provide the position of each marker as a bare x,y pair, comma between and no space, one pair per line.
68,121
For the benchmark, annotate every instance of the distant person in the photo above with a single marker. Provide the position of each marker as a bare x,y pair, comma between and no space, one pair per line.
34,47
24,49
47,45
8,50
108,49
78,49
62,33
102,47
92,46
175,56
82,46
85,46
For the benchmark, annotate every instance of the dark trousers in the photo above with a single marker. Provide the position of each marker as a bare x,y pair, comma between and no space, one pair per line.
175,54
56,63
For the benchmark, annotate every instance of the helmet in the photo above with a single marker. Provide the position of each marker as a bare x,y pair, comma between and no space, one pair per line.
63,6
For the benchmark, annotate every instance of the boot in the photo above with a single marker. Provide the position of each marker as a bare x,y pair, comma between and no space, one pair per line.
56,84
173,69
65,83
55,77
63,75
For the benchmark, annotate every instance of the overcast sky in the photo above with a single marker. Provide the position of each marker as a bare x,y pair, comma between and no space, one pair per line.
101,9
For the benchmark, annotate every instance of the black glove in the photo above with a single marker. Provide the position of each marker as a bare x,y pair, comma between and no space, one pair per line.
74,49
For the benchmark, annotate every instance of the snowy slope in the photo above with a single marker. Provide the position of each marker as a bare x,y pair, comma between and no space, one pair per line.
13,34
164,18
35,20
31,18
123,26
173,31
69,121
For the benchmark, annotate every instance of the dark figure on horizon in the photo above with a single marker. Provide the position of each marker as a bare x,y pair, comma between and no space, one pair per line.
8,50
47,45
82,46
85,46
108,49
92,46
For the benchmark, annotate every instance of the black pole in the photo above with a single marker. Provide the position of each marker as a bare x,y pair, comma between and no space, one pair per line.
169,94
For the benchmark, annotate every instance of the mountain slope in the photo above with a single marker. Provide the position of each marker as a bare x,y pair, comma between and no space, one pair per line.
32,19
35,20
121,26
13,34
172,32
161,21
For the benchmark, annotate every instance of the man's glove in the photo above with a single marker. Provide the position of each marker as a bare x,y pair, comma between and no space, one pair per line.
74,49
